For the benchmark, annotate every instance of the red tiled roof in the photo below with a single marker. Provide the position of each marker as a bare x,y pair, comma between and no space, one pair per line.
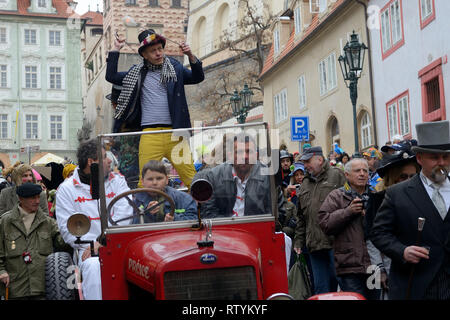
62,10
291,44
93,18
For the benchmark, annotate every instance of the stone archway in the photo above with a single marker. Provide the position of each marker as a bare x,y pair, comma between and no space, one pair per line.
333,135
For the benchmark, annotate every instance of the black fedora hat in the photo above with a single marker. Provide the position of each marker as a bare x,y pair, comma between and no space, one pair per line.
402,156
149,38
433,137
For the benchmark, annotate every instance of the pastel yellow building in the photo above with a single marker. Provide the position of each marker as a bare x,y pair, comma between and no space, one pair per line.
302,76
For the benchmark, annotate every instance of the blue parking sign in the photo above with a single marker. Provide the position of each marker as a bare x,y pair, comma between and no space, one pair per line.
300,128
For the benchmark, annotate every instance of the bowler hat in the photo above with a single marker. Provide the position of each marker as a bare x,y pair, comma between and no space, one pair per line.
310,152
149,38
433,137
28,189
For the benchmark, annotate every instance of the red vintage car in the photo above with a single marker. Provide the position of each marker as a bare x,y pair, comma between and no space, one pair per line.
225,258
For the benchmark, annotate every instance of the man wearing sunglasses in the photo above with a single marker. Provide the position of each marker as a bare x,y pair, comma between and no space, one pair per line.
420,268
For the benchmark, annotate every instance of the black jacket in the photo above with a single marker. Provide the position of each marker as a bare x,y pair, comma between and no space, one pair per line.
176,97
257,193
395,228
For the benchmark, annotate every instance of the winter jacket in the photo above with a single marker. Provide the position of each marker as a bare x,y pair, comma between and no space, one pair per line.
257,192
336,219
176,97
41,240
311,196
185,206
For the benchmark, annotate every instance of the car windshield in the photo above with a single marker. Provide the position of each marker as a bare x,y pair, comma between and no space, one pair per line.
232,169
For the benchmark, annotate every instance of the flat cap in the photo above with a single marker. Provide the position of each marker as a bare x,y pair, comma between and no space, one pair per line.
310,152
28,189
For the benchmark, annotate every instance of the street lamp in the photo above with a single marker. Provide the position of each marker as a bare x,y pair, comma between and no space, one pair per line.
351,66
241,103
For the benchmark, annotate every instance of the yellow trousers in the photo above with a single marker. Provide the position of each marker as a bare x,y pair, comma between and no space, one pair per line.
176,149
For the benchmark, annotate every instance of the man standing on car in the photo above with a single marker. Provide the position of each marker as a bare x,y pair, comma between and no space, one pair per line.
75,195
320,180
153,98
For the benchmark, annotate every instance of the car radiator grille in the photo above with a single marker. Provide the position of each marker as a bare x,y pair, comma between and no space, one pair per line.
237,283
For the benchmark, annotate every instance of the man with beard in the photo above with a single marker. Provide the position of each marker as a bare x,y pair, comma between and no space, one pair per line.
286,160
239,186
75,195
420,267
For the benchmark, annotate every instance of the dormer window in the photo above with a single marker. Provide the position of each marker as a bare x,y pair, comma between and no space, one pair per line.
317,6
42,3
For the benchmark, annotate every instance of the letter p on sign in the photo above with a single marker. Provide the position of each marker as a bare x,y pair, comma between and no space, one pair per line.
300,128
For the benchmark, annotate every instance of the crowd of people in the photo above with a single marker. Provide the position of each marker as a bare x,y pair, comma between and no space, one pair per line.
357,216
355,219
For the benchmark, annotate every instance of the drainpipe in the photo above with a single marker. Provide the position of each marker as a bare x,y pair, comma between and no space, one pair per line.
372,98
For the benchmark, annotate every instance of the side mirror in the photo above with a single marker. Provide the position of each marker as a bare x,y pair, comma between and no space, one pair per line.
201,190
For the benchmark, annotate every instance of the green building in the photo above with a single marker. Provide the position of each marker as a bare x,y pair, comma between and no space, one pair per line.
40,80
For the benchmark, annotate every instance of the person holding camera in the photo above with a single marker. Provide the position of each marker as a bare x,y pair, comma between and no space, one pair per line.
342,215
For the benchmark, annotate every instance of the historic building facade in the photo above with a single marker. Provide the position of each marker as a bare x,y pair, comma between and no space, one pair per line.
302,76
40,80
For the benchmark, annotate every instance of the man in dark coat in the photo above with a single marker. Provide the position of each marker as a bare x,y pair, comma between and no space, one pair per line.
153,98
420,268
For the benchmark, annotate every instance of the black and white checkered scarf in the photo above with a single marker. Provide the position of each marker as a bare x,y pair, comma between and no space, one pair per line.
132,77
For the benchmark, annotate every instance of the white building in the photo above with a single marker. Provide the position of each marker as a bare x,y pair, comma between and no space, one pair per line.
409,47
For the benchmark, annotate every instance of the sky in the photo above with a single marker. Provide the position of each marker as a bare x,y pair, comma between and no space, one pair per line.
83,6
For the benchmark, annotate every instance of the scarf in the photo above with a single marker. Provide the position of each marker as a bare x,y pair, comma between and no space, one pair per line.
129,82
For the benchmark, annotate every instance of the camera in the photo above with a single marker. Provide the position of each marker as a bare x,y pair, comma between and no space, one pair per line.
364,199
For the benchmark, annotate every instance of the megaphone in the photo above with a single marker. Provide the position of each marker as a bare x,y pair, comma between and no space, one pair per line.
78,224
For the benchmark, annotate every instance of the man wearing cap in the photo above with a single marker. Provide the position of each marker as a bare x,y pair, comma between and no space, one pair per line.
286,160
320,180
153,98
27,236
420,267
